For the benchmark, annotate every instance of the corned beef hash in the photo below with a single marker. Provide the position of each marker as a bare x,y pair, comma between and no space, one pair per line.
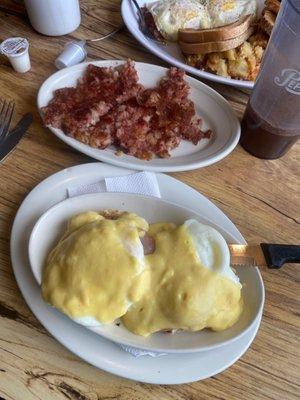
110,107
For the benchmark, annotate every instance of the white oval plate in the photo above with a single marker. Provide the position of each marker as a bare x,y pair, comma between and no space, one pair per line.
51,226
94,349
171,52
212,107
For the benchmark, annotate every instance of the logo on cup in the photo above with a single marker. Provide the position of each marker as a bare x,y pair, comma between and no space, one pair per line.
290,80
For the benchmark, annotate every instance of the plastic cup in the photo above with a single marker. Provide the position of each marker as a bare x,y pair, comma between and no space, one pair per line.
271,124
16,49
74,53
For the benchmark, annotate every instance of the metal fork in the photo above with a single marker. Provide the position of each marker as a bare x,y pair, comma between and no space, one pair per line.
142,23
6,113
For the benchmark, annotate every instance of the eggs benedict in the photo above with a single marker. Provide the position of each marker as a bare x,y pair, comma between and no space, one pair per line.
158,277
94,273
192,286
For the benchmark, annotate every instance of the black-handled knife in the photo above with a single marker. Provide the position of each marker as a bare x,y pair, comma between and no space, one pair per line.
15,136
264,254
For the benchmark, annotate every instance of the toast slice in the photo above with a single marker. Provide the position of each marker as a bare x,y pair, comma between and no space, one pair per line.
219,34
211,47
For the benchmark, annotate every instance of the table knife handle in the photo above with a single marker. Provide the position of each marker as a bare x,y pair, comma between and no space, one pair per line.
277,255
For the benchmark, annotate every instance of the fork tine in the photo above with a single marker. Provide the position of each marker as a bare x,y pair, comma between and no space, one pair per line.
3,110
3,107
6,117
10,115
2,116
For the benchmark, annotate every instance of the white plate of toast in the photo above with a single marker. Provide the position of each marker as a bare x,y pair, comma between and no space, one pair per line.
171,51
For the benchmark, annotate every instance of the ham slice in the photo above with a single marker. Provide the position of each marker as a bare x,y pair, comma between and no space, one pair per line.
148,243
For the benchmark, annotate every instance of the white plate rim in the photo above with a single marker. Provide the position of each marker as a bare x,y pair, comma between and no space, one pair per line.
86,197
153,374
139,36
132,162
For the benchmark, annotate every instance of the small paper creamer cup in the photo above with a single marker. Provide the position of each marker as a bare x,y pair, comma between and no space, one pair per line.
16,49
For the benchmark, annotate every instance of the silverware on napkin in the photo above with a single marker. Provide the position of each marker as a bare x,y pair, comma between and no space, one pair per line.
13,138
264,254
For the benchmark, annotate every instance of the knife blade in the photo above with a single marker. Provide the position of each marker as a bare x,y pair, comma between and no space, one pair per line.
15,136
264,254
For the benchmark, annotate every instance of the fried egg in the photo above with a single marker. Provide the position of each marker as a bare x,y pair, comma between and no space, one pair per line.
224,12
172,15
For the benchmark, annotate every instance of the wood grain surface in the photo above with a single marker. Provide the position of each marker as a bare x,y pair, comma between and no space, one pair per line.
261,197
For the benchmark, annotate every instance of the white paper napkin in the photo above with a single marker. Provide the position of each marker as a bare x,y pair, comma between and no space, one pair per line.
144,183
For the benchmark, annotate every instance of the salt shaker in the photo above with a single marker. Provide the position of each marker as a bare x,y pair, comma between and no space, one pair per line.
54,17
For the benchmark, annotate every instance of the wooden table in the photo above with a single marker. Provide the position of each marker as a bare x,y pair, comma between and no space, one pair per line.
261,197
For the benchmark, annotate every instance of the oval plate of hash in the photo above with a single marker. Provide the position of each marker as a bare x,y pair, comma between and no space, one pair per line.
218,126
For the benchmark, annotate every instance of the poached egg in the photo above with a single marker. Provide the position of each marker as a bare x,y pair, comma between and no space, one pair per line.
94,273
192,286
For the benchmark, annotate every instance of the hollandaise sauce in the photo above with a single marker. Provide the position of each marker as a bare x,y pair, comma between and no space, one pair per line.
98,269
182,293
95,269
